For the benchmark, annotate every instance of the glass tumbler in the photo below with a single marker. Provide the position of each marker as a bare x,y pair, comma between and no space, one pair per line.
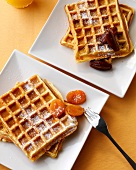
19,3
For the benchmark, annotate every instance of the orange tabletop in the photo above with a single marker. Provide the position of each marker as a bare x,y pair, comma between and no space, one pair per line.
18,30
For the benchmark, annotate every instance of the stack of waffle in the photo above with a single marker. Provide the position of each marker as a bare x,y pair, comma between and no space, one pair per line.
26,121
89,20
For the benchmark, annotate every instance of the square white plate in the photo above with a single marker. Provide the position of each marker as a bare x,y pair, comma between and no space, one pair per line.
19,68
47,47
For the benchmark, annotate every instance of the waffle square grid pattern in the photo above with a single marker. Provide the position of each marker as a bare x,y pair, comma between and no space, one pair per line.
128,12
89,20
24,113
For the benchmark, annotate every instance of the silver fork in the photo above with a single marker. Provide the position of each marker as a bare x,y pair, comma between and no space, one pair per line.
98,122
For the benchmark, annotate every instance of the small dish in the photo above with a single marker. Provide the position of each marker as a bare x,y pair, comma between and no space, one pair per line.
19,68
47,48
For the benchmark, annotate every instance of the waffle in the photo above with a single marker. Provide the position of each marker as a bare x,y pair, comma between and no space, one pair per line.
89,20
128,12
25,116
53,151
4,134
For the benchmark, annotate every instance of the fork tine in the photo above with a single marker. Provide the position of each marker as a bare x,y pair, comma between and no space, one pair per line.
87,114
88,117
92,117
91,113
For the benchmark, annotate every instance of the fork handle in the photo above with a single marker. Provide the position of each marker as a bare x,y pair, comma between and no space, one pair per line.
131,162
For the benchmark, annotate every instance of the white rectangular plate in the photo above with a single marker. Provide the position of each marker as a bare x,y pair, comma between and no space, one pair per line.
19,68
47,47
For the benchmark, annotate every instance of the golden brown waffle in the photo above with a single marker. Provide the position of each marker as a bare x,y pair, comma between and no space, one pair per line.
128,12
54,150
88,22
25,116
68,39
3,134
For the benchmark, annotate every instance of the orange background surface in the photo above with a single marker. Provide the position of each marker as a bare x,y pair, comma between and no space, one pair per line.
18,30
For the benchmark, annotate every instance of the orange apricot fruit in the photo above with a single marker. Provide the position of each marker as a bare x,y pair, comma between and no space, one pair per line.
76,97
74,110
57,107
